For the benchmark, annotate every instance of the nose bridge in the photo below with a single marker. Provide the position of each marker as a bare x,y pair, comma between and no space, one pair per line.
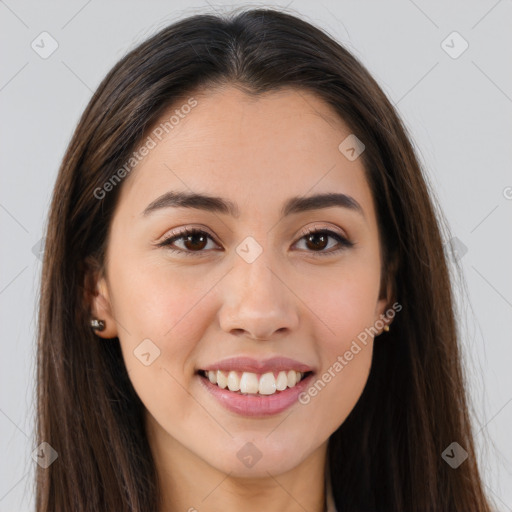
256,300
258,277
254,281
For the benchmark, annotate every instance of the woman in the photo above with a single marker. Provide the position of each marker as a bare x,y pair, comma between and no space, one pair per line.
245,301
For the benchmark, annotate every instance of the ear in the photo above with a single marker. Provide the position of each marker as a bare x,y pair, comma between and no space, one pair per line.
97,297
387,295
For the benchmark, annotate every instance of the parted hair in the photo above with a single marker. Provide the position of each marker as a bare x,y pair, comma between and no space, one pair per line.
386,456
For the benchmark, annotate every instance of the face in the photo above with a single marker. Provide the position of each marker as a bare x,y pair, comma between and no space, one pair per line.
259,293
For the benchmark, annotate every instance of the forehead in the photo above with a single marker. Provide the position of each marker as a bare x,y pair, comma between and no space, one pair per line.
255,150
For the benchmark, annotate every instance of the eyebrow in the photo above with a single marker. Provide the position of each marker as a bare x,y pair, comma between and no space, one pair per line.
220,205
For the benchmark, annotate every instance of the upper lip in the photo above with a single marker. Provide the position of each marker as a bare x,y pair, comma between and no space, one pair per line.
249,364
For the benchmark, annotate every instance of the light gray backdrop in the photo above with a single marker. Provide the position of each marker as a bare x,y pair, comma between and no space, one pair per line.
454,91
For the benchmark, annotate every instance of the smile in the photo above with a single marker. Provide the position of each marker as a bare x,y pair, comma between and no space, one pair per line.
245,383
256,395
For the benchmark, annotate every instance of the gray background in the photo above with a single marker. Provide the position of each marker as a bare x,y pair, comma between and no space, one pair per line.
458,112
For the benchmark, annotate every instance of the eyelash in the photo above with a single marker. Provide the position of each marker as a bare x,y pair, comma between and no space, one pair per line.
192,231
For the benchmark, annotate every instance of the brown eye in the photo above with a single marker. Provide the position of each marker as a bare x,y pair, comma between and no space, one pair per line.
317,241
193,240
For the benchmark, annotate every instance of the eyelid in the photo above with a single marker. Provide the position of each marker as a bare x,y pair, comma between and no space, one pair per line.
183,231
305,231
319,227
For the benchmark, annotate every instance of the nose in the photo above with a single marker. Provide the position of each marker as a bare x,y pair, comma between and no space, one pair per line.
258,303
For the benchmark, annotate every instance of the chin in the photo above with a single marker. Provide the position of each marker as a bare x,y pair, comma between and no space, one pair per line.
261,469
255,457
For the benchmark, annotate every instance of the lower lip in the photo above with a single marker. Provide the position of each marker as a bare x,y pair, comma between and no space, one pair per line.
257,405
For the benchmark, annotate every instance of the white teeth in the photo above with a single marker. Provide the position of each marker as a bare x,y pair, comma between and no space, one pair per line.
253,383
233,381
267,384
282,381
222,380
249,383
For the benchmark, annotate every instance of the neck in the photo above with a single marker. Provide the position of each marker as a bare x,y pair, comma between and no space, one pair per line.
188,483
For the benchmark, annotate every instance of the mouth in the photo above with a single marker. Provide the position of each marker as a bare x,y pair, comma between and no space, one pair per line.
253,387
252,383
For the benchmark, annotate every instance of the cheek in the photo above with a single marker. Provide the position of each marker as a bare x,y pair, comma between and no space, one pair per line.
159,315
344,301
156,301
344,309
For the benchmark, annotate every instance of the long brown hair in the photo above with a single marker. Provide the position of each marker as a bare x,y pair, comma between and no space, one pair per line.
386,456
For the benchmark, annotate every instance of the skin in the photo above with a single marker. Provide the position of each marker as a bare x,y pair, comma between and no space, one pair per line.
291,301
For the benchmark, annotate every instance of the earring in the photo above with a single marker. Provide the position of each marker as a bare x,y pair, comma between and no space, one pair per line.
97,325
386,328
